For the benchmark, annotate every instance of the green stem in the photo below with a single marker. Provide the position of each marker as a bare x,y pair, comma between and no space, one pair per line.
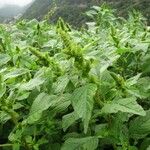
6,145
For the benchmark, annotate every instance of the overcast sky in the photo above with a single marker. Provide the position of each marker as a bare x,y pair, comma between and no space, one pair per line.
15,2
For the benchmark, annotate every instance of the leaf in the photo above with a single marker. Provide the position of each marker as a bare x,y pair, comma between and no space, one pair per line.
61,103
133,80
50,43
2,89
141,47
41,103
68,120
4,58
16,135
22,96
128,105
32,84
16,146
118,129
104,64
101,130
82,101
148,148
141,89
145,65
61,84
140,126
87,143
33,118
145,144
15,73
4,117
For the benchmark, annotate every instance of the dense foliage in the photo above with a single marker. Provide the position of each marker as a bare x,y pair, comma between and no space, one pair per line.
69,89
73,11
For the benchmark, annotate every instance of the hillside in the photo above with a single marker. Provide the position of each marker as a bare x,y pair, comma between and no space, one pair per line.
13,10
73,10
70,10
7,12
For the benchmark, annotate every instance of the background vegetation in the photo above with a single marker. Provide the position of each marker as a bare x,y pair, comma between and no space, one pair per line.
73,11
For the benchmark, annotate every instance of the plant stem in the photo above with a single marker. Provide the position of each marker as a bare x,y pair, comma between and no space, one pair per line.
5,145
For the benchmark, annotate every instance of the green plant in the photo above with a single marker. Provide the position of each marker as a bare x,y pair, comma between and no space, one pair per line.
67,89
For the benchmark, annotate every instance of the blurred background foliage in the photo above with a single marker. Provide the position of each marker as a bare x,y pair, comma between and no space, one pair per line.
72,11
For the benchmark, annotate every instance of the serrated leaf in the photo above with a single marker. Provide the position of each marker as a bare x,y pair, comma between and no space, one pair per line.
140,126
4,117
145,144
101,130
33,118
41,103
4,58
32,84
68,120
61,103
15,73
82,101
128,105
87,143
133,80
61,84
118,129
2,89
22,96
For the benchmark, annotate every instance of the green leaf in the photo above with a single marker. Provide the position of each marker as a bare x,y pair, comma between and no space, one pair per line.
2,89
61,103
69,119
33,118
16,135
22,96
101,130
145,65
140,126
32,84
82,101
4,58
41,103
16,146
145,144
4,117
87,143
118,129
148,148
61,84
133,80
15,73
128,105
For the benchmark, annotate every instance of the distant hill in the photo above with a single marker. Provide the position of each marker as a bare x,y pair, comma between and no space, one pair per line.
73,10
10,10
38,9
7,12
